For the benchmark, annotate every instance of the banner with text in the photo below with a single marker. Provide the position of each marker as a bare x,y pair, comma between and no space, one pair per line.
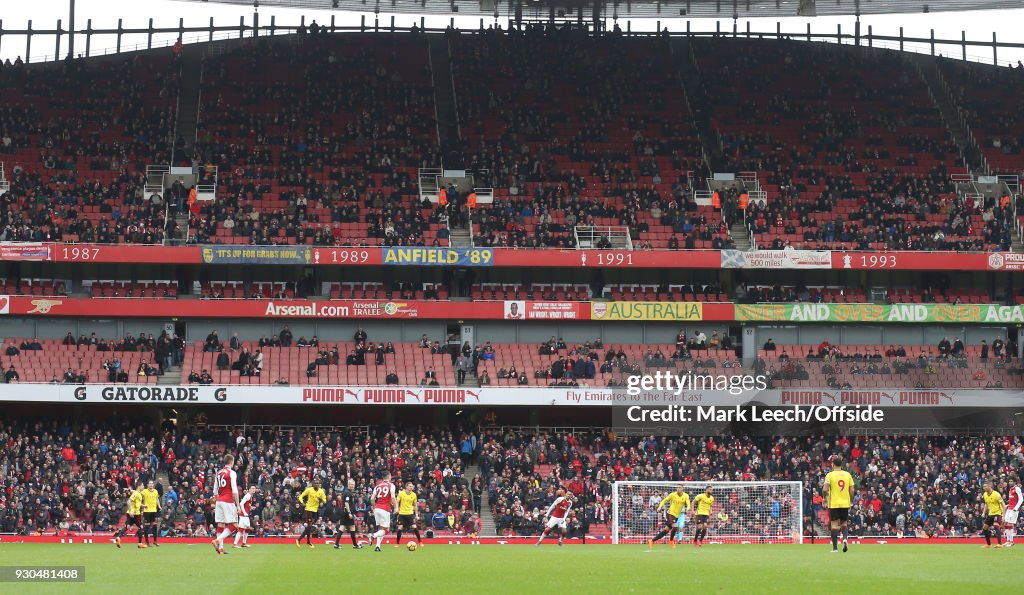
523,310
1006,261
257,254
875,313
776,259
666,311
428,256
17,251
496,396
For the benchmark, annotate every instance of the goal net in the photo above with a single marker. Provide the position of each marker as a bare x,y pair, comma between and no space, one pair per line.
743,511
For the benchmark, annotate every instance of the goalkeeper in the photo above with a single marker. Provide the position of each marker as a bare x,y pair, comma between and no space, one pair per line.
678,501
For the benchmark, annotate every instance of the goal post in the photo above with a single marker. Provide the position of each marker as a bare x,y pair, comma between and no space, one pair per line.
743,511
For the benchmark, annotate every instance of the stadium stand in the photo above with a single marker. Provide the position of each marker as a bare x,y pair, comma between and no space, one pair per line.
330,154
81,155
623,155
915,486
857,159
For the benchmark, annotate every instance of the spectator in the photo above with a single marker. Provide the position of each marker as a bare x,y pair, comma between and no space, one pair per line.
11,376
285,336
391,378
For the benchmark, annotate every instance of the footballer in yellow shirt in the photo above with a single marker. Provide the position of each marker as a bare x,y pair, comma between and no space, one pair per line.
150,508
703,503
677,501
993,512
407,500
133,516
839,488
311,499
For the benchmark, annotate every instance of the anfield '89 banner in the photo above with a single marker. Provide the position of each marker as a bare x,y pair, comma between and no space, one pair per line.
430,256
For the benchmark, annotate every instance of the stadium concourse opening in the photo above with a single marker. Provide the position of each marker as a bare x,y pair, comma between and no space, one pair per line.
351,290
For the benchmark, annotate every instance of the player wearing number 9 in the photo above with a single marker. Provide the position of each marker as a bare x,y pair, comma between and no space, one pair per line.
838,488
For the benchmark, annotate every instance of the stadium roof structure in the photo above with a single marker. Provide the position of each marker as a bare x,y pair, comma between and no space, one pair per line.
696,9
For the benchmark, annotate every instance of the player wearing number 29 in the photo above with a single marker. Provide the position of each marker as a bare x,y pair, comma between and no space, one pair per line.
677,501
384,501
226,510
838,489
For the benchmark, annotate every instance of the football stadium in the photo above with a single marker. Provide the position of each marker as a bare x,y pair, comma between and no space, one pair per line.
511,295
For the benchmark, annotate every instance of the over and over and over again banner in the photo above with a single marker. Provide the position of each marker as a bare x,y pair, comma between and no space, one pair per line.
514,310
509,257
331,396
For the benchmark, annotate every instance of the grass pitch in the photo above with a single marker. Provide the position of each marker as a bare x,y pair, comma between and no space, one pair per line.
266,568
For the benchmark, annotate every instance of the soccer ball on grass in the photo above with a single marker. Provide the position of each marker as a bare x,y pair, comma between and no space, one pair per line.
411,546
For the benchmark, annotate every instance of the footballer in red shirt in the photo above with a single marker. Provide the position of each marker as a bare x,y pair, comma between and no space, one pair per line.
557,516
385,500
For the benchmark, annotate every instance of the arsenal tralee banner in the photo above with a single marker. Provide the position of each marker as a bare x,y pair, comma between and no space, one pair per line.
776,259
335,396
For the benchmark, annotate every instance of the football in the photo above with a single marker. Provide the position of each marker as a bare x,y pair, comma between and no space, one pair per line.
411,545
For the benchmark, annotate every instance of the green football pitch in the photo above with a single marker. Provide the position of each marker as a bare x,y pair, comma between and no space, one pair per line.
276,568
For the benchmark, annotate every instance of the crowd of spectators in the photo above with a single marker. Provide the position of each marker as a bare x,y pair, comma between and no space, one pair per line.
320,141
73,475
73,162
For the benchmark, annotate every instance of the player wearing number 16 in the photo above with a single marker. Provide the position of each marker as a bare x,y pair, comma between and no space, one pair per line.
226,511
838,487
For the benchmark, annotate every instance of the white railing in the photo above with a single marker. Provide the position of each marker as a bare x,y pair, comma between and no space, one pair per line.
155,177
5,186
429,183
702,197
588,236
484,196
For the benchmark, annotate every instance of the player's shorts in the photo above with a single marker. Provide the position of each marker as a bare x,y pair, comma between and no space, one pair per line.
150,517
309,516
557,522
1010,517
992,519
225,513
407,521
839,514
670,520
382,518
133,519
243,522
702,518
347,521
